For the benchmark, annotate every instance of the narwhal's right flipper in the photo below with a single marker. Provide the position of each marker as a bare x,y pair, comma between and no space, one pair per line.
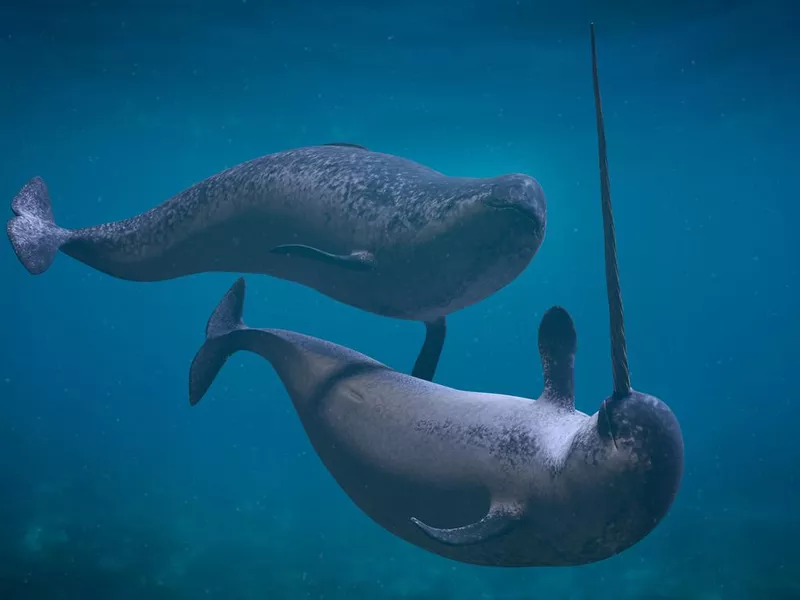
501,518
428,359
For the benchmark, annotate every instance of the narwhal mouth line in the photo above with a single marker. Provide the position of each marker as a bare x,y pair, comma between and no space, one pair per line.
604,411
528,213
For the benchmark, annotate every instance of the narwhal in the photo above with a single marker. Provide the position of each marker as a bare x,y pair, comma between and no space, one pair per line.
375,231
480,478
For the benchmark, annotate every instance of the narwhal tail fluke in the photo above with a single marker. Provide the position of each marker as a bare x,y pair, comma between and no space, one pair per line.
223,325
35,237
619,353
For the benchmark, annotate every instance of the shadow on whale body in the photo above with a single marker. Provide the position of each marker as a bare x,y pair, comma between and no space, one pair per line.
486,479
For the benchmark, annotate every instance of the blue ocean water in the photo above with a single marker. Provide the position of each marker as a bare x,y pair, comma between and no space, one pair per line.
112,487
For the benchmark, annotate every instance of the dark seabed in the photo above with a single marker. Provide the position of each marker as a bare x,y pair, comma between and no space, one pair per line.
113,488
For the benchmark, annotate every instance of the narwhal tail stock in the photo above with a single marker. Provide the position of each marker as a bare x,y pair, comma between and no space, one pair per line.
619,353
35,237
223,325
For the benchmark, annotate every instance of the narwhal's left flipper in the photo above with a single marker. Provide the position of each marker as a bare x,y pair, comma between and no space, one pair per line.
428,359
358,260
501,518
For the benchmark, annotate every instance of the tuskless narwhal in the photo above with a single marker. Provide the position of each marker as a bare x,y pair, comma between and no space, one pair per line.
372,230
480,478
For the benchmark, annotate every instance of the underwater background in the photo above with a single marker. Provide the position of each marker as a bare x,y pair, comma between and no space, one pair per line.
112,487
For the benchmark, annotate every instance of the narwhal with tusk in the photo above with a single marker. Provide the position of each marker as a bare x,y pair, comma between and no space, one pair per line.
375,231
480,478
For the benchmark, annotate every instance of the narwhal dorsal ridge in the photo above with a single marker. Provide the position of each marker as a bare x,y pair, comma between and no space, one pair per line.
558,342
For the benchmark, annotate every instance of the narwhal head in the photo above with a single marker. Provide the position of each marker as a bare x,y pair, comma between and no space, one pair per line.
644,447
505,209
510,213
636,432
625,463
622,473
480,234
517,196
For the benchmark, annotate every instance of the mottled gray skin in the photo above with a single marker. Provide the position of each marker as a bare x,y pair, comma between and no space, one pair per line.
439,243
568,488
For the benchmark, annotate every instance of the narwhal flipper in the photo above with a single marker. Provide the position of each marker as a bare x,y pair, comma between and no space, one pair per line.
501,518
428,359
359,260
558,343
218,347
33,233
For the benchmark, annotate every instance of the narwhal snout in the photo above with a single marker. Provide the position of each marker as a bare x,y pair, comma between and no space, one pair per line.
647,434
